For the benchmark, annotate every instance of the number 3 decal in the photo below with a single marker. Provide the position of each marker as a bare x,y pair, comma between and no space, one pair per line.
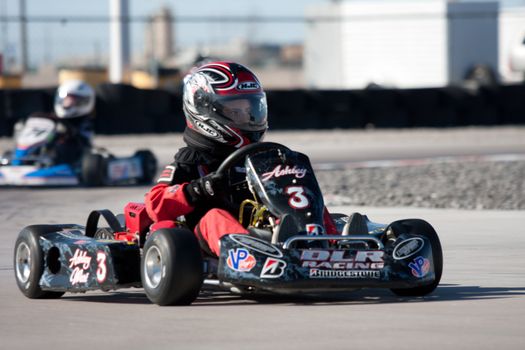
101,269
297,199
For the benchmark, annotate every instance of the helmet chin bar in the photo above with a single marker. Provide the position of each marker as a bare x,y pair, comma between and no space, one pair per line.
242,140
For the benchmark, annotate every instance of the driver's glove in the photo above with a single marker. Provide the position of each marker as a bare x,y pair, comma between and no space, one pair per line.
207,187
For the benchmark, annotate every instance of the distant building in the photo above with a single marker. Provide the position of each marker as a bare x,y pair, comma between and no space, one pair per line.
159,37
404,44
511,41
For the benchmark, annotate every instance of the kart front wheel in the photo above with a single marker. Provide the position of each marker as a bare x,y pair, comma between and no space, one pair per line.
29,262
422,228
171,267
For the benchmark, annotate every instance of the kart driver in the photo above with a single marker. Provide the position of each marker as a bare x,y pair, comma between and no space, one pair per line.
225,109
73,114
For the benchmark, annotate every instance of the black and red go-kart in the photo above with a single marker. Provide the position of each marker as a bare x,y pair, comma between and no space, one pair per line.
286,251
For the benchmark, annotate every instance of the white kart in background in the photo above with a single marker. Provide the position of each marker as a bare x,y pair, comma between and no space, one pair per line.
31,162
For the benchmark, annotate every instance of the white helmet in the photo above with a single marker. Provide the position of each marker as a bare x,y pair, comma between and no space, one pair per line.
73,99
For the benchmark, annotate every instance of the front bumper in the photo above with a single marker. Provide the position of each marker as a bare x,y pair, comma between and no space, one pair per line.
30,175
255,264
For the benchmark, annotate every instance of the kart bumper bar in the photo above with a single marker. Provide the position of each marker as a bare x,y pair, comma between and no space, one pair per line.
362,238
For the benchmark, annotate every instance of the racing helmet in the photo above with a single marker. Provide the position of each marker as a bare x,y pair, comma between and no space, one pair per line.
74,98
225,102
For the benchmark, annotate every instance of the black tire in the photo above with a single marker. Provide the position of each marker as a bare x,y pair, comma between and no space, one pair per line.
423,228
93,169
149,166
29,263
171,268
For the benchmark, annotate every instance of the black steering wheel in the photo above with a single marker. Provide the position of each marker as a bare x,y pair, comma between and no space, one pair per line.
234,159
241,153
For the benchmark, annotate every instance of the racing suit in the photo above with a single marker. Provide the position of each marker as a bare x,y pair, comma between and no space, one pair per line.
210,220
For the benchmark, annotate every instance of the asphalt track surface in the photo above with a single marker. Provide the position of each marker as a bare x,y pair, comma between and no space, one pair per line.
480,303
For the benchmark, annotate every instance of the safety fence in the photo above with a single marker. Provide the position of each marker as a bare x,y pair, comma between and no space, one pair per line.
123,109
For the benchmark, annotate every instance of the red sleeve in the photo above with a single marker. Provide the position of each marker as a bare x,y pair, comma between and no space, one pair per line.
167,202
329,224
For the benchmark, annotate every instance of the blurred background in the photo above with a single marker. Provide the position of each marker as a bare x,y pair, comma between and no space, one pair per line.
324,63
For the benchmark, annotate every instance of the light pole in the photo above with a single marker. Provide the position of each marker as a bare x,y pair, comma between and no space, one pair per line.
119,51
23,37
3,56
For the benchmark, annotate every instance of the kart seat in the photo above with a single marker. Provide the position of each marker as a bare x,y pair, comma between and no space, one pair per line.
286,229
356,225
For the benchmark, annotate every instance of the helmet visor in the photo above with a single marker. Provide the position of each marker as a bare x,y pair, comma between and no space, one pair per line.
68,101
246,112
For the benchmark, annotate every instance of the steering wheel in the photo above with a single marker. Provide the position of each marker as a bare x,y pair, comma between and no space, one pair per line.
241,153
234,158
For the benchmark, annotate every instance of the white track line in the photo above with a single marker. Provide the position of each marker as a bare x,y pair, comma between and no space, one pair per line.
419,161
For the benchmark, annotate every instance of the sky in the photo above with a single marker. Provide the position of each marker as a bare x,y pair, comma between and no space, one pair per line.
49,42
52,42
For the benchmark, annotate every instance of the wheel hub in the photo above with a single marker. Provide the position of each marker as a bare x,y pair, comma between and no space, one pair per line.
23,262
153,267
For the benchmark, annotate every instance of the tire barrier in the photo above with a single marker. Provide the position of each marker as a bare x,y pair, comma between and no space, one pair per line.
511,104
429,108
384,109
290,109
477,108
336,109
120,109
123,109
165,110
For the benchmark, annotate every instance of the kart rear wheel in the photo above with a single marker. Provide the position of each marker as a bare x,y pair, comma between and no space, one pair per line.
93,169
149,165
171,267
29,261
423,228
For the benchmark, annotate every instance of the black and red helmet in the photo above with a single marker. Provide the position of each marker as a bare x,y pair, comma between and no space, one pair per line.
225,102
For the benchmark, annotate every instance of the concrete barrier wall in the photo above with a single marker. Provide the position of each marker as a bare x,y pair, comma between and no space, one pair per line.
123,109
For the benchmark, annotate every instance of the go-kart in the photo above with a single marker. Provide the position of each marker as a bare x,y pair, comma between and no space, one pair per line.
287,250
31,163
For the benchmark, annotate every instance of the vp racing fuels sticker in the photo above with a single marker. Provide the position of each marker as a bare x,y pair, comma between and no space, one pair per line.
240,260
420,267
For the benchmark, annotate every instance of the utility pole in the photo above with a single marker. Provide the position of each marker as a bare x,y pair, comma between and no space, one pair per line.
3,55
23,37
119,51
